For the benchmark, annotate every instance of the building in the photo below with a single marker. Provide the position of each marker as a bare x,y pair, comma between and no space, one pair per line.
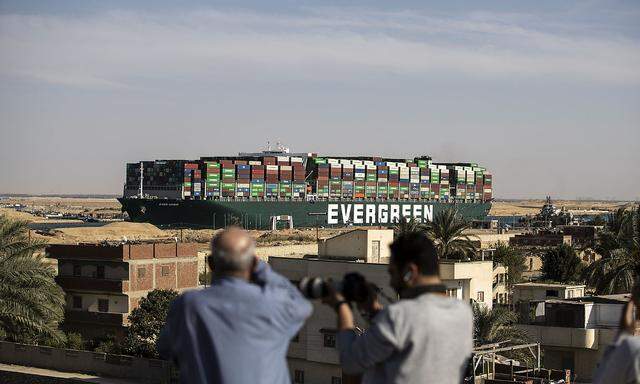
574,332
489,239
526,292
313,357
368,245
501,295
103,283
540,240
583,235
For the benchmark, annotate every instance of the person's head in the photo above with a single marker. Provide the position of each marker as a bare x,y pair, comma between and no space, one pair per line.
414,261
232,254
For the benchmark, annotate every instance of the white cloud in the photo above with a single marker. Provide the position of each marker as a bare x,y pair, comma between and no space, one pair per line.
125,49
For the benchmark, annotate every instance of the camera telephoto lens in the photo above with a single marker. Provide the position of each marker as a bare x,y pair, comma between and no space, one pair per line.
313,287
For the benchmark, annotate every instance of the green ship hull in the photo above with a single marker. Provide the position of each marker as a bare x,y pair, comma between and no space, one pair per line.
262,214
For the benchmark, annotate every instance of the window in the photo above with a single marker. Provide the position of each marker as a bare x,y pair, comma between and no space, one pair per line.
552,293
103,305
76,270
452,292
570,293
298,376
296,338
481,296
77,302
164,270
100,272
336,380
330,340
141,272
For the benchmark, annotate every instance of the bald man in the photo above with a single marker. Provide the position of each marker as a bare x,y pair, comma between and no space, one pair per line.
238,330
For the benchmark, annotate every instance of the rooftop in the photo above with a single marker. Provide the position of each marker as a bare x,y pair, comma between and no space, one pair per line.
601,299
549,285
119,252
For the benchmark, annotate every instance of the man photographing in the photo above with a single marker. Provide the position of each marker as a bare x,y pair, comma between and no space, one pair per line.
426,337
238,330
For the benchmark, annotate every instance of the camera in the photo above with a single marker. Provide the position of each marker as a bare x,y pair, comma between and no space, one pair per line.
354,287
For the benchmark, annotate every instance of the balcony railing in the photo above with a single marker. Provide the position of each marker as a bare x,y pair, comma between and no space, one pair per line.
82,283
97,318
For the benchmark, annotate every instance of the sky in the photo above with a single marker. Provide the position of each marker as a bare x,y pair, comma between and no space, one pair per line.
545,94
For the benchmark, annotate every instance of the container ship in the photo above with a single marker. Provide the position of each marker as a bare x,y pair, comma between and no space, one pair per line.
276,188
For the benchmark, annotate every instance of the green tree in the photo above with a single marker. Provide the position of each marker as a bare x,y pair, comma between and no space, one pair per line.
31,303
447,232
561,264
619,245
146,322
513,260
408,225
497,325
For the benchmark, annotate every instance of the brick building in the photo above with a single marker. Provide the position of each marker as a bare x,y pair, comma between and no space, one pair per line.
540,240
104,283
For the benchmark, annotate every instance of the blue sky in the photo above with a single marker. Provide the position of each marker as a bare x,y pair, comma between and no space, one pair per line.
545,94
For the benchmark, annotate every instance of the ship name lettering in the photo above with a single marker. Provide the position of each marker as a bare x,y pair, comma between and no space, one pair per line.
377,213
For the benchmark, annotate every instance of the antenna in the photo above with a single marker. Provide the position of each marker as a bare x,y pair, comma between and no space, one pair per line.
141,192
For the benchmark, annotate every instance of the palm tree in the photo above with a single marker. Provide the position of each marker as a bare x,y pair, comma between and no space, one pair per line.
31,303
447,232
619,245
409,225
497,325
513,260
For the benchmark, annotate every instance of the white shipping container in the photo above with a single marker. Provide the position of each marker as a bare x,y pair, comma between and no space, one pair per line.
286,168
382,179
369,166
282,158
333,161
255,162
272,167
368,162
487,190
347,168
296,159
356,162
393,168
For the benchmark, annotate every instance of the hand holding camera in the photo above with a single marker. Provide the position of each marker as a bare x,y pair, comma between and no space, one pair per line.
353,288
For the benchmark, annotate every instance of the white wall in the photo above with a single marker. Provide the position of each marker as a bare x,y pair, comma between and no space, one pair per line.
117,303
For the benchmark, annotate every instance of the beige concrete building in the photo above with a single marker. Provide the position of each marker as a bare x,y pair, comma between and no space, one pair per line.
489,239
368,245
313,357
574,333
526,292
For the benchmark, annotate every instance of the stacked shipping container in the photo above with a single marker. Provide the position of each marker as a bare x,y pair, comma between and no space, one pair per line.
290,177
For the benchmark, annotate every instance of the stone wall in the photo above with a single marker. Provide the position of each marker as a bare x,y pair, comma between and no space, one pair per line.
102,364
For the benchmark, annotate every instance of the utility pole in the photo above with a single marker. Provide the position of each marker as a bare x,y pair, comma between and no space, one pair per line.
316,214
